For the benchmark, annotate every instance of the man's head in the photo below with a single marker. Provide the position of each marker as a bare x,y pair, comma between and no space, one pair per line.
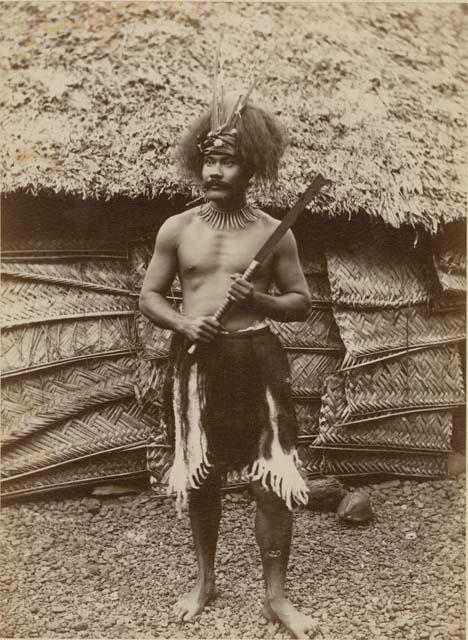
256,144
225,178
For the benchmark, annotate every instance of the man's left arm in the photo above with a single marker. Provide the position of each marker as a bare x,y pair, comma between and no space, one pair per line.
293,303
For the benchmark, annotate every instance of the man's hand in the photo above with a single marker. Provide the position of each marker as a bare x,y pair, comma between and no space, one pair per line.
241,291
204,329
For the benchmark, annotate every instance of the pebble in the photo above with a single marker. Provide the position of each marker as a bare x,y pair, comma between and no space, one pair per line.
126,560
92,505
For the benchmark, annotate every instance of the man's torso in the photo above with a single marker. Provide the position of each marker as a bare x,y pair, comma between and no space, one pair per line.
206,259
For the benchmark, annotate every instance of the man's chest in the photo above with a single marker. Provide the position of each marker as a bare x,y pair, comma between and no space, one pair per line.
211,251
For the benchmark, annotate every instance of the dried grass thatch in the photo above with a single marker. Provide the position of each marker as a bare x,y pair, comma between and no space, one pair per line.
96,93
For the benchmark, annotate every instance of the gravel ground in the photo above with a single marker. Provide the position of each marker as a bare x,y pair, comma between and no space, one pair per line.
116,574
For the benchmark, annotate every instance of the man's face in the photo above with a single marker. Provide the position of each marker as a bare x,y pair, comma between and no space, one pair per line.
224,178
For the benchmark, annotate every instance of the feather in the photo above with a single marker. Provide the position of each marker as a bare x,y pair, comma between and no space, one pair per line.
215,104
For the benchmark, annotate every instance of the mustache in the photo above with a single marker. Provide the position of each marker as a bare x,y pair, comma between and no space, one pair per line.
216,183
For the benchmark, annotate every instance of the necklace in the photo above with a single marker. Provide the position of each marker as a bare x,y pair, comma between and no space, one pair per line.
226,220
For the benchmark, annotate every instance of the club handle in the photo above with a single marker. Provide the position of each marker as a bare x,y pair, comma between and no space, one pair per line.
248,275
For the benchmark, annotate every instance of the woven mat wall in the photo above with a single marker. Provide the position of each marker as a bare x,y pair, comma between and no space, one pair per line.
450,258
48,322
429,378
101,275
358,463
402,375
373,331
319,330
115,466
378,268
69,363
68,356
429,430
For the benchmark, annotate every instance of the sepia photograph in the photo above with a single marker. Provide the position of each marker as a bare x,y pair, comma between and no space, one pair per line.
233,314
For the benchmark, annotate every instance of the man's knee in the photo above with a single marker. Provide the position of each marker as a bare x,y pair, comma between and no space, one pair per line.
267,500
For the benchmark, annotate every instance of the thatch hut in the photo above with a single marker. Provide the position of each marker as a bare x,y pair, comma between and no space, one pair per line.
94,96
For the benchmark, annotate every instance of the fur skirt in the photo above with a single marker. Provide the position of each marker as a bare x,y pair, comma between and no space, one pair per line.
230,406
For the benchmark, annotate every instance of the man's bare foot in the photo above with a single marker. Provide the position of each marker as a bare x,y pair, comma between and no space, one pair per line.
193,602
281,610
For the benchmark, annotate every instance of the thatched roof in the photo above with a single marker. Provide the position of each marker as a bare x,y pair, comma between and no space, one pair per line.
96,93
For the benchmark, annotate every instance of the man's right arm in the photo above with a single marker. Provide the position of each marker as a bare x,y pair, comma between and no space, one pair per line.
158,279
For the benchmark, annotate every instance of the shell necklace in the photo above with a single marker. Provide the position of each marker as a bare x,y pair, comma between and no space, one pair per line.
229,219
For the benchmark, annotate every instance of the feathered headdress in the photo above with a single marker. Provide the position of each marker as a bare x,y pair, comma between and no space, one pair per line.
222,136
234,126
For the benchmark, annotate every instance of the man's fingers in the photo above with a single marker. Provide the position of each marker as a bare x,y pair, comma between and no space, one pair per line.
211,322
206,335
240,291
241,287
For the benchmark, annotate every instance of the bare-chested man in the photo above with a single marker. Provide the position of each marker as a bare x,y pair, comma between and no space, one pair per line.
229,406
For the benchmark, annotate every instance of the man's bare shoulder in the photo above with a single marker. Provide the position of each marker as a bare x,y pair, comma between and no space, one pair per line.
180,220
266,219
287,241
171,228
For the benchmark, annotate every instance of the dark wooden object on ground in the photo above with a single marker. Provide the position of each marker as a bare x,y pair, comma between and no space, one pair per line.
325,493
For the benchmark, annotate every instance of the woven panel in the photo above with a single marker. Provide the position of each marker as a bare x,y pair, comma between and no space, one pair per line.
33,302
307,415
154,341
370,331
449,253
428,378
83,472
69,405
114,425
43,344
140,254
308,371
149,382
378,270
344,463
47,238
311,253
319,288
25,397
311,460
423,431
319,330
452,283
102,274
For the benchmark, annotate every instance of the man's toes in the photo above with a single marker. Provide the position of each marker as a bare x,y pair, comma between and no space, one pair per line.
312,626
189,616
178,612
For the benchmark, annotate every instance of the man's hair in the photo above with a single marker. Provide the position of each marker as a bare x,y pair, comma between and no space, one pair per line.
261,141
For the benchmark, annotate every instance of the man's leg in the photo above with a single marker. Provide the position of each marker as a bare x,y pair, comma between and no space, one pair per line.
205,514
273,529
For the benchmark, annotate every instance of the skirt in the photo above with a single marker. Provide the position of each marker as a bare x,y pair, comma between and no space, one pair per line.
230,407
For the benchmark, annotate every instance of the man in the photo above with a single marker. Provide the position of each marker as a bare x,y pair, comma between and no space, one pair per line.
229,405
